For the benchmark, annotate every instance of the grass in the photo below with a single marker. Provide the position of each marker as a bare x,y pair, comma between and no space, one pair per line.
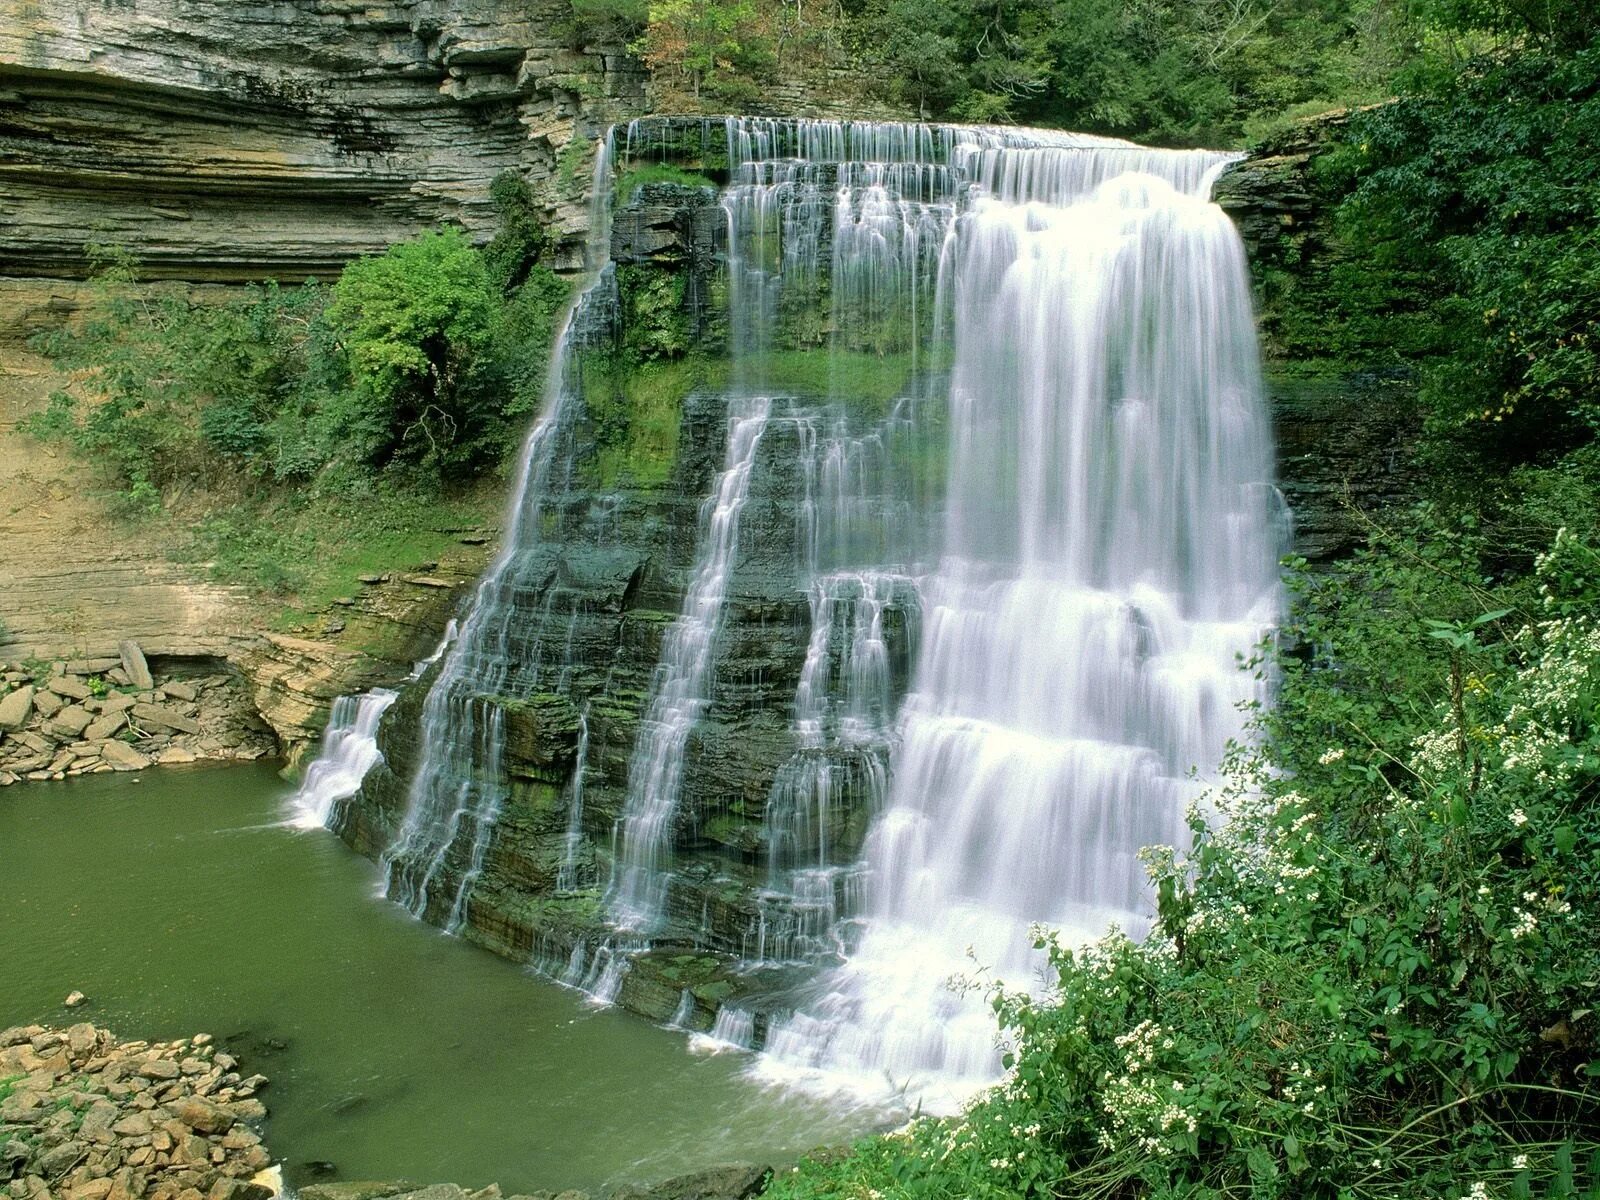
309,552
634,178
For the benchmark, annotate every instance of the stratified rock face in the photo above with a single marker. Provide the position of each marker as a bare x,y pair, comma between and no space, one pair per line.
1345,429
240,139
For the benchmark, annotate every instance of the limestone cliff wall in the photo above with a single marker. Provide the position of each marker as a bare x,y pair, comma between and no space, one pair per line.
235,139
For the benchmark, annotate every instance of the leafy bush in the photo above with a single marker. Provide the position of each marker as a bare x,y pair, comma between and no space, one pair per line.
423,362
1492,180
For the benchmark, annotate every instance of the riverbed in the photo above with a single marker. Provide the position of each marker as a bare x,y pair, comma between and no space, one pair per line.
179,902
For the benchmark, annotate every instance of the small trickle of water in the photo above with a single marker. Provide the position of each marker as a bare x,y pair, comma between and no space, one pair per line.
598,975
567,873
734,1029
350,746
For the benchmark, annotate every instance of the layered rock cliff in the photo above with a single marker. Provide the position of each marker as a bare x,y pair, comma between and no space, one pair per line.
229,139
1345,425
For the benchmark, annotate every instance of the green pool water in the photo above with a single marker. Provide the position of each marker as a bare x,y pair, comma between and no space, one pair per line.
177,902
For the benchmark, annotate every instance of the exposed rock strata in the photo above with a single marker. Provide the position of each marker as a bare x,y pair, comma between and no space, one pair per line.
75,582
235,140
1345,429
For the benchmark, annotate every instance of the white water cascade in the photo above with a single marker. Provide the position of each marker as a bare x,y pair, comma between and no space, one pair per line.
454,797
1108,559
349,751
1031,578
350,747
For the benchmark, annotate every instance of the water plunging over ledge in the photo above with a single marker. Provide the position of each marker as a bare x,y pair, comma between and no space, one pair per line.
1029,580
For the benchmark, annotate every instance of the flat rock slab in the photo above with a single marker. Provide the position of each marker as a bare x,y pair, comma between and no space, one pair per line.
165,718
70,687
15,708
123,757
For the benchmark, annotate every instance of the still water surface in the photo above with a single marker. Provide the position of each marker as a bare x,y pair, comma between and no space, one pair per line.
178,902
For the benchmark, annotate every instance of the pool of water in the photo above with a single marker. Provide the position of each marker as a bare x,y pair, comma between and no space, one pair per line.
179,903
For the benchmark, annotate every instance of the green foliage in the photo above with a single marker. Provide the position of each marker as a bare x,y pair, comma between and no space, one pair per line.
310,549
656,321
1492,181
1558,25
413,322
412,376
609,18
424,361
1172,71
723,49
521,240
635,411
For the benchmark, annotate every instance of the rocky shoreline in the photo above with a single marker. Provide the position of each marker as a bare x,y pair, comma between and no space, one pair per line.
84,1116
90,716
87,1116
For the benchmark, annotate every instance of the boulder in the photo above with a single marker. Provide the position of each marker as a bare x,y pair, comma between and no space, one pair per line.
202,1116
99,731
81,1038
356,1190
734,1181
70,686
47,704
134,665
70,722
15,708
92,666
123,757
179,691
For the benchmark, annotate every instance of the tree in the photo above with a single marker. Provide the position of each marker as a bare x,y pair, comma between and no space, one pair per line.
413,321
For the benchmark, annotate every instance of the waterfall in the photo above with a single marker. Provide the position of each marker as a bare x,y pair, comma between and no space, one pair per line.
1108,558
1034,548
567,876
679,690
349,751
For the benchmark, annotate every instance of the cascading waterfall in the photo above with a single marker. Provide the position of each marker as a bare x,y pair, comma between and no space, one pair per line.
1030,578
679,691
1108,558
455,795
349,751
